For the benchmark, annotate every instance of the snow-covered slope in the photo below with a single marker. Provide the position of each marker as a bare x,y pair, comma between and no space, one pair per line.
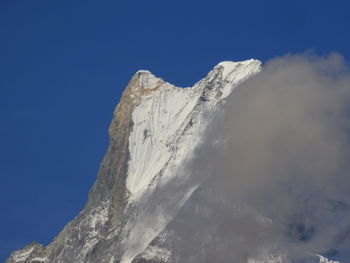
163,116
155,130
167,126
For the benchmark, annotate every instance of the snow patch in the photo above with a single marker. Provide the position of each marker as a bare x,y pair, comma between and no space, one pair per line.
22,255
157,254
326,260
39,259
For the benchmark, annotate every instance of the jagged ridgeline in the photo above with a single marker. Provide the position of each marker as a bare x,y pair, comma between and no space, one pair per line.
155,129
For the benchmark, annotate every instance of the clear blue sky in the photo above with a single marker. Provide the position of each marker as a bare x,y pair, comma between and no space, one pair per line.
64,64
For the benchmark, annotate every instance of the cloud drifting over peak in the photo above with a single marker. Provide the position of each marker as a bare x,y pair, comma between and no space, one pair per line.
274,168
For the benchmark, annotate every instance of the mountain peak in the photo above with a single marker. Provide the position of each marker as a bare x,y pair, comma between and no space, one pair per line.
228,67
155,129
145,80
144,75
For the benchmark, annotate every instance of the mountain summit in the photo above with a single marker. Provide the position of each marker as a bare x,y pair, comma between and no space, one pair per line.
142,185
155,128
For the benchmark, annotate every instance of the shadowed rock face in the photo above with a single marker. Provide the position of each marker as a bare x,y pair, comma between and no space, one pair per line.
121,217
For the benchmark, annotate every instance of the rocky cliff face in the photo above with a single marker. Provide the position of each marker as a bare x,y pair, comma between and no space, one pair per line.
155,129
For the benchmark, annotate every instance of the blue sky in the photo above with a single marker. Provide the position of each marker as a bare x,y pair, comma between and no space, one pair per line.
64,65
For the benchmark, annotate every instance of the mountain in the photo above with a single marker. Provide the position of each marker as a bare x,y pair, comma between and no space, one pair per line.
136,208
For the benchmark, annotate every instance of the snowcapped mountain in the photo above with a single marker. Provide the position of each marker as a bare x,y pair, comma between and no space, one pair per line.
155,130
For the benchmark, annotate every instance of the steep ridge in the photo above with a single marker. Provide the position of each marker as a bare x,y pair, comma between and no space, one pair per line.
155,128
